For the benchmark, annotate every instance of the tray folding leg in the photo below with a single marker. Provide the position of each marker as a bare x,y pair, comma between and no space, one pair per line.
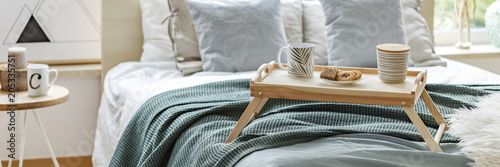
422,129
433,109
249,114
432,142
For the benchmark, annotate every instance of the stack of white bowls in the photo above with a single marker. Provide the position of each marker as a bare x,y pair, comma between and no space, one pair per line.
392,61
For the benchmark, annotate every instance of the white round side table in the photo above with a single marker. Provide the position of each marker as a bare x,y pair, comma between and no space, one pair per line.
22,101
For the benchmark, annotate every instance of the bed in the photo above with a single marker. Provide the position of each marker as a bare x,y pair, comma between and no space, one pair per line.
129,86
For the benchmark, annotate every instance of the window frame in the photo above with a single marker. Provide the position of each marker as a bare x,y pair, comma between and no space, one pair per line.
478,36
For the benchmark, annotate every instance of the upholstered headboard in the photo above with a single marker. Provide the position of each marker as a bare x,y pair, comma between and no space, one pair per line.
122,31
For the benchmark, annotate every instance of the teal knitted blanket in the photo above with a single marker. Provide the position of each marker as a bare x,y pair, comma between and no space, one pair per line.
188,127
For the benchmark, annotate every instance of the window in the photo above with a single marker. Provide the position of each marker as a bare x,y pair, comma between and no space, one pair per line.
446,22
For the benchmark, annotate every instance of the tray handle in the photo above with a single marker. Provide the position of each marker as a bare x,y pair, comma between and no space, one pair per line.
263,71
419,80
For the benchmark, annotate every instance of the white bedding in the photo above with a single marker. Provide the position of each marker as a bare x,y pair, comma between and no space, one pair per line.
128,85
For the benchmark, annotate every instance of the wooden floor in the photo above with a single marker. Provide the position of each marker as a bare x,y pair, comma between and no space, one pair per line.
83,161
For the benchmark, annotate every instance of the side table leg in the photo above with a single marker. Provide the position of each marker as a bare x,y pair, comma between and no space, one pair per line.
49,147
23,138
422,129
250,112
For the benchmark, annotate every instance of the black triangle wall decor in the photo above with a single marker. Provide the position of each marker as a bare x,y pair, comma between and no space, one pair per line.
32,33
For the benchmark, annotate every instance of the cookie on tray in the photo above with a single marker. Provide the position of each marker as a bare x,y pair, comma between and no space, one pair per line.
329,73
346,76
358,74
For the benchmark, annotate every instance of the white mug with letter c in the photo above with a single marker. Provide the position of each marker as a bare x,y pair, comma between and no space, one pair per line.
38,79
300,59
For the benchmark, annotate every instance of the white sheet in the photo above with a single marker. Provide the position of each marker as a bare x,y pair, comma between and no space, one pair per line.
128,85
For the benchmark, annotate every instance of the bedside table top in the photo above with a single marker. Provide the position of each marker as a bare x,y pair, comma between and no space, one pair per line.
56,95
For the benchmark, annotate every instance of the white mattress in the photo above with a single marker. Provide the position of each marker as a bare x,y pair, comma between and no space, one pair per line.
128,85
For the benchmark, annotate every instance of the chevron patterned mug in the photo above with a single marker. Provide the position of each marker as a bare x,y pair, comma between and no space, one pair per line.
300,59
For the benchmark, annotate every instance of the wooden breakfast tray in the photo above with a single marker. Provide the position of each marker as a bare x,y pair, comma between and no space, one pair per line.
272,82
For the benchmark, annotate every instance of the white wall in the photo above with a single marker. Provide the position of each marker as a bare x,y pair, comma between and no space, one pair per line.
70,126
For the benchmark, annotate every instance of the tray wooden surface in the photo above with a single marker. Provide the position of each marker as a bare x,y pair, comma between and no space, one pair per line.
271,81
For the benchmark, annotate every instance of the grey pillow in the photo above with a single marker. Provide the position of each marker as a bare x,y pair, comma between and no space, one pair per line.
355,28
237,35
418,35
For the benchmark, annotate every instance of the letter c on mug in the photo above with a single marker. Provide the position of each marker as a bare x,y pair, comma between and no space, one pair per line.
31,80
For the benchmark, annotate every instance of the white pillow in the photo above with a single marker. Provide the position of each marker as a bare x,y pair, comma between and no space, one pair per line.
314,29
291,12
157,43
